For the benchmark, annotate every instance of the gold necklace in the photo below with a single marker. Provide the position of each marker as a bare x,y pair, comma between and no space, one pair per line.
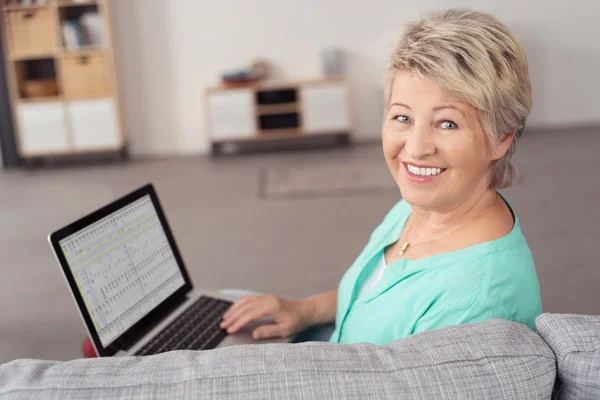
406,245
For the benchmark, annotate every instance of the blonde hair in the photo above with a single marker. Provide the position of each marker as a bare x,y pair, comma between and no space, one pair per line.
475,58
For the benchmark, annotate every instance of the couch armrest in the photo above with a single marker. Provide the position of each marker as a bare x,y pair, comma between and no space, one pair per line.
575,339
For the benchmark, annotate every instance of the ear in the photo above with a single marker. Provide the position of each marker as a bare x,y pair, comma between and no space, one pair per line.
504,145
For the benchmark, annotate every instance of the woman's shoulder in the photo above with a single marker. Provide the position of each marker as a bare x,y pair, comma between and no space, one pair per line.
499,278
490,270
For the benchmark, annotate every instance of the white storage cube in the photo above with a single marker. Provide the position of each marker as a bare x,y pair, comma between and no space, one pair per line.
232,114
42,128
94,125
325,108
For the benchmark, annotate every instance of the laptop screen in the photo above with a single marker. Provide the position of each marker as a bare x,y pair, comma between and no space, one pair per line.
123,266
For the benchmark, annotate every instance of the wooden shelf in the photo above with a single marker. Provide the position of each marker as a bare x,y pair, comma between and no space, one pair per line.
32,55
68,3
280,134
39,99
84,51
277,109
16,7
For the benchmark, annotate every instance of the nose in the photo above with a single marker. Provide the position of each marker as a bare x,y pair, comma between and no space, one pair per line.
419,143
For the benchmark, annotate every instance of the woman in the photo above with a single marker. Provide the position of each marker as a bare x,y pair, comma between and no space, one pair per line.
452,251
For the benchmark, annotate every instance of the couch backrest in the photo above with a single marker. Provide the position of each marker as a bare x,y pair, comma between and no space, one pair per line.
495,359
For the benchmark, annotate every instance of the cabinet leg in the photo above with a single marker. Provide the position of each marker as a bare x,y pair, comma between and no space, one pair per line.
32,163
122,155
344,139
215,149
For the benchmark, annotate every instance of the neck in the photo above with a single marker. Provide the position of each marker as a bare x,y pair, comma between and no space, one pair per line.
427,222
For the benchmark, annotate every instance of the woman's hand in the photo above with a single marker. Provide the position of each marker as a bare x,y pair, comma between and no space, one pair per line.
290,316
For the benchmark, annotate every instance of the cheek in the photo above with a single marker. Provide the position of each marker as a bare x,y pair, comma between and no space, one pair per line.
392,142
468,155
391,149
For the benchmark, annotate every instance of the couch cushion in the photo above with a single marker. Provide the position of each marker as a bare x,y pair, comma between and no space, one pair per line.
494,359
575,340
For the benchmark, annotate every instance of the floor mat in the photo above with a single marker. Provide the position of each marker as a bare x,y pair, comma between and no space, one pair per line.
325,179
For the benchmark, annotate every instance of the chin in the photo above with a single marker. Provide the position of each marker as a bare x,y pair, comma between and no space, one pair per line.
418,198
422,197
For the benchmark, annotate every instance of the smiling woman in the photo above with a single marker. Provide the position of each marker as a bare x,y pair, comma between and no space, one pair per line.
452,251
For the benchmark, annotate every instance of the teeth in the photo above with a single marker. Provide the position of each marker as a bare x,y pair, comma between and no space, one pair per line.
423,171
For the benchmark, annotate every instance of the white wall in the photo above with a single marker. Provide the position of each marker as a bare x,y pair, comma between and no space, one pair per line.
169,51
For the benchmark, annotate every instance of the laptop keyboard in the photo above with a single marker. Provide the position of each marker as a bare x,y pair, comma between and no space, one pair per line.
196,329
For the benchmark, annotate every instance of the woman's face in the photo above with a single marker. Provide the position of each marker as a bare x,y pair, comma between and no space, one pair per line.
435,146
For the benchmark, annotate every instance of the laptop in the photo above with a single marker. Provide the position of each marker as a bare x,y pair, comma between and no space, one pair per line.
130,284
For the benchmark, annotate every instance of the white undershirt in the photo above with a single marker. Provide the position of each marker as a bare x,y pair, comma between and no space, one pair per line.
374,278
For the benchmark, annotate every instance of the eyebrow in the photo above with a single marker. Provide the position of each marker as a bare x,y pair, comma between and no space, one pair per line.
449,106
399,104
435,109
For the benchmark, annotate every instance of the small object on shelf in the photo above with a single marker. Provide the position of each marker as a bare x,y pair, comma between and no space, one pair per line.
260,70
84,30
72,36
33,88
90,25
26,3
333,62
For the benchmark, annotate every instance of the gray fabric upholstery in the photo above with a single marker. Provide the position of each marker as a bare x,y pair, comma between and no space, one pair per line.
575,340
494,359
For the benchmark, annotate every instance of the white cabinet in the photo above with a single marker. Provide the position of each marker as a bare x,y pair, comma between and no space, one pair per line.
232,114
42,128
325,108
94,125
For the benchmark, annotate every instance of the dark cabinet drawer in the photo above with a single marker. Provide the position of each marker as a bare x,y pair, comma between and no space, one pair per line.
279,96
279,121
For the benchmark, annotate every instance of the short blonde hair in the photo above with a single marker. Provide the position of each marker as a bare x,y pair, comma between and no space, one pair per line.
475,58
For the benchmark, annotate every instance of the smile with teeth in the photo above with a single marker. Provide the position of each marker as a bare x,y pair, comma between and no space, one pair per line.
424,171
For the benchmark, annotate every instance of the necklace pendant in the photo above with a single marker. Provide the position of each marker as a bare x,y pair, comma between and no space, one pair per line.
405,247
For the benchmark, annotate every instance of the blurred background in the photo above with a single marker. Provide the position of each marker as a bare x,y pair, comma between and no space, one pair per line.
259,124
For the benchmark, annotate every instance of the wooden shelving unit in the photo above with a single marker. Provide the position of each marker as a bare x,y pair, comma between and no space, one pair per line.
61,75
282,110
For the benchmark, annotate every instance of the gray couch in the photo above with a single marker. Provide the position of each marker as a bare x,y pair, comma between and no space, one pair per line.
494,359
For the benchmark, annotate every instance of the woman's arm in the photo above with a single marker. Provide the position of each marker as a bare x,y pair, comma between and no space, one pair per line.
321,308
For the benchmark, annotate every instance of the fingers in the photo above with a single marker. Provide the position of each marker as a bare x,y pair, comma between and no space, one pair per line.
237,313
248,309
245,316
238,304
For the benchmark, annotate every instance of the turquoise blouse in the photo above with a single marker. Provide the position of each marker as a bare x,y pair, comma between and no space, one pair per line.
494,279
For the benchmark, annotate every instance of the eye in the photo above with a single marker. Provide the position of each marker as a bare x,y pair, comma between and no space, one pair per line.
402,118
448,125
